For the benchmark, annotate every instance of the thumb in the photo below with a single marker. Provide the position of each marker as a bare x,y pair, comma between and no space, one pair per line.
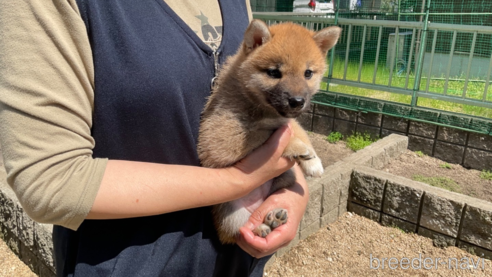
279,139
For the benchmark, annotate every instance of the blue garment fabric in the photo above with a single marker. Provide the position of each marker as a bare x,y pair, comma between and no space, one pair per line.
152,77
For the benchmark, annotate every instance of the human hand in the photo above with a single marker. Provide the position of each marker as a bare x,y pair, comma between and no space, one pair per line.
294,199
264,163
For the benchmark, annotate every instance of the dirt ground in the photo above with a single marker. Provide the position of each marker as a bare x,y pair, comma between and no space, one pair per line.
468,181
345,247
10,265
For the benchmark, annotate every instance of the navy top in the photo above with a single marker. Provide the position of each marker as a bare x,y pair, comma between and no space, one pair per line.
152,77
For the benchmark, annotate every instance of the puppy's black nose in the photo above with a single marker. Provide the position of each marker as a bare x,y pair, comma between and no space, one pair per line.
296,102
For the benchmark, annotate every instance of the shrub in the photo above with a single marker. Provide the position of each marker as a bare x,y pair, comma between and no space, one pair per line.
334,137
358,141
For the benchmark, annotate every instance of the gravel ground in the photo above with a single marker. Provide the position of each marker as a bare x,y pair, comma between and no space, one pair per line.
10,265
345,247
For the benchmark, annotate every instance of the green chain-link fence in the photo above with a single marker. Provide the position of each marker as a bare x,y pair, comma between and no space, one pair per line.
427,60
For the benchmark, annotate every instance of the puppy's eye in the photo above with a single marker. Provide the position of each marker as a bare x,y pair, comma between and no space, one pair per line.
308,74
274,73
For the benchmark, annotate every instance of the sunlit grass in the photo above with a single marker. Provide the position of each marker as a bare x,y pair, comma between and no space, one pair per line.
475,88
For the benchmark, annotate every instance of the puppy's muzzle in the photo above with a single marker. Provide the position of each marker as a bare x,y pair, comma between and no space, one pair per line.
297,102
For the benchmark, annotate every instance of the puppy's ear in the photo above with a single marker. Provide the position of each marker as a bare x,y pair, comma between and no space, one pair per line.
256,35
327,38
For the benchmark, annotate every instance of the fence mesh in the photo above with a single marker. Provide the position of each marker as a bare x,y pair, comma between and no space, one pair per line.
434,54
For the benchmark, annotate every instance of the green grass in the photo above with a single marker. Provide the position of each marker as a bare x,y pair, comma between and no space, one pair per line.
486,175
446,166
441,182
420,153
475,90
358,141
334,137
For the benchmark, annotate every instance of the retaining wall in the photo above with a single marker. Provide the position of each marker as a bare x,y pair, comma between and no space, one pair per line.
472,150
449,218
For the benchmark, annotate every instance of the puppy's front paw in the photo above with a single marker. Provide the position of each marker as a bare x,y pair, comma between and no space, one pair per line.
312,167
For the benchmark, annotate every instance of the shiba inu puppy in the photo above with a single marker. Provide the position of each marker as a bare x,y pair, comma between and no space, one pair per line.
265,85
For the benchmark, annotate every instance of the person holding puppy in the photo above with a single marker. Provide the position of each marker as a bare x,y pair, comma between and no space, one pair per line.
100,105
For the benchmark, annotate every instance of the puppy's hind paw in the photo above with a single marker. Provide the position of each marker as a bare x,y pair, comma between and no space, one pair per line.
312,167
262,231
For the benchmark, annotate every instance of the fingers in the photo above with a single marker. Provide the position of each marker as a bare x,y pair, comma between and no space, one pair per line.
267,162
259,247
294,199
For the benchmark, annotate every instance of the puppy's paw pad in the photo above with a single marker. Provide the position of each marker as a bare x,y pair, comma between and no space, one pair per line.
262,231
313,167
306,156
276,218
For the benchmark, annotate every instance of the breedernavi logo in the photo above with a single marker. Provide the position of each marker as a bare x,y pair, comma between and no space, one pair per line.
426,263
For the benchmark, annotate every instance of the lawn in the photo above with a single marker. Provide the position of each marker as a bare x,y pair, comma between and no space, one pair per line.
475,88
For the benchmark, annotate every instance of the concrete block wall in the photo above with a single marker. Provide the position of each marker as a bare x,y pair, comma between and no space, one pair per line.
29,240
449,218
472,150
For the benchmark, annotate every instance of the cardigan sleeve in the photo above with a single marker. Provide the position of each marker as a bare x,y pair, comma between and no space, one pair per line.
46,105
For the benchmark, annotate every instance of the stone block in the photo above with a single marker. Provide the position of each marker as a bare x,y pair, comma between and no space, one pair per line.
44,243
9,210
313,208
331,194
25,230
480,141
422,129
475,250
373,119
324,110
311,108
363,211
387,132
306,231
439,240
346,128
452,135
477,226
342,209
448,152
29,258
416,143
11,240
478,159
306,120
361,157
346,115
329,217
441,214
322,124
390,221
370,130
367,190
45,271
395,123
402,201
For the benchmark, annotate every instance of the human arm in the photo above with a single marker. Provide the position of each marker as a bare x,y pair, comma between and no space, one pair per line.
46,105
131,189
294,199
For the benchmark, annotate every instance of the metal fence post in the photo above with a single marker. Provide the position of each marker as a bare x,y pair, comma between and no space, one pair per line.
332,53
423,41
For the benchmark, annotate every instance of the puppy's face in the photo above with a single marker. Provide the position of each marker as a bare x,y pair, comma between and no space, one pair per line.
284,65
